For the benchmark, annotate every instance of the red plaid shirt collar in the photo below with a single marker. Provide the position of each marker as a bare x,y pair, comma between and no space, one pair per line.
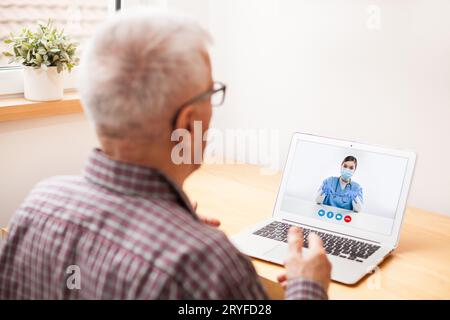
132,179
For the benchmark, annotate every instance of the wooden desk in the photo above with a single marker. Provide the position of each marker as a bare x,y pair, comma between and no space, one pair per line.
420,269
3,233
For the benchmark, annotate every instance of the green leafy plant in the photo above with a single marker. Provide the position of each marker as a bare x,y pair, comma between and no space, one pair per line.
46,47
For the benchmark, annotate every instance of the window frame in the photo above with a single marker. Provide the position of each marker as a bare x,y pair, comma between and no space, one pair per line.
11,77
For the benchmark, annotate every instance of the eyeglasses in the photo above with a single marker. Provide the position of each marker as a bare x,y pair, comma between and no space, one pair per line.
216,94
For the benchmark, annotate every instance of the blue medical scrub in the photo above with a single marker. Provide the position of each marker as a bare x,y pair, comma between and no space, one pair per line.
335,196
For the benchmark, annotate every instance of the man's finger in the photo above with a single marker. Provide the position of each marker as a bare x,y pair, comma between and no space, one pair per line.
209,221
315,243
295,240
213,222
282,278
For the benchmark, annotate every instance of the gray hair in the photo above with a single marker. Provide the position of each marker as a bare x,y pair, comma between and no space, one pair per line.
136,66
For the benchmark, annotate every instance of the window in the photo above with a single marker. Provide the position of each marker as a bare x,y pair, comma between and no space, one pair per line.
79,19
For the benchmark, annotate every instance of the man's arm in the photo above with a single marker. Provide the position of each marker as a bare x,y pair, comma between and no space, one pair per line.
296,289
306,276
304,290
219,271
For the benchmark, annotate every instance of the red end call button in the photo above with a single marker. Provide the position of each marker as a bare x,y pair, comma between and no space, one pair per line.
347,219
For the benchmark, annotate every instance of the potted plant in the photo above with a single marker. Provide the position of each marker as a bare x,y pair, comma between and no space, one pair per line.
45,54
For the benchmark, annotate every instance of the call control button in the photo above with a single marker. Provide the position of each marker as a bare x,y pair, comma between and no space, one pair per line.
330,215
347,219
321,212
338,216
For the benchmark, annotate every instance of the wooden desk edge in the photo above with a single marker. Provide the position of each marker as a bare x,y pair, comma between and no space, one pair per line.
3,233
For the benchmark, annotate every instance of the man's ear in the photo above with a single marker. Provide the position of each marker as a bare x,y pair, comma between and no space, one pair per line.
184,118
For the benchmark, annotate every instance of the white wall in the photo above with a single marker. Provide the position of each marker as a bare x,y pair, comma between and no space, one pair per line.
323,67
31,150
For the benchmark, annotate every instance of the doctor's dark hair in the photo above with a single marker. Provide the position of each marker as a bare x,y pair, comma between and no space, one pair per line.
350,158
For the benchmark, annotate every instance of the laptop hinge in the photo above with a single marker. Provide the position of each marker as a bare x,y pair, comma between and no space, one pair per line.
346,235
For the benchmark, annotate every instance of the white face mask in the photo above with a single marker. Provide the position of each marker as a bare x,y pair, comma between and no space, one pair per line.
346,174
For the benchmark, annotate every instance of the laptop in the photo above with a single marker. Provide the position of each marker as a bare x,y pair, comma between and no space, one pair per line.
353,195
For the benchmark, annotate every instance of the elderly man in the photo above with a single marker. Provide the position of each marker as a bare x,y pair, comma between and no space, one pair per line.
125,229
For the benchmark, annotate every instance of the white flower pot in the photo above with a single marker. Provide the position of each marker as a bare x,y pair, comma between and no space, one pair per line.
42,84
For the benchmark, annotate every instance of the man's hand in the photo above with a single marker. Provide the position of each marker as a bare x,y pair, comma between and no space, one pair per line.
314,266
213,222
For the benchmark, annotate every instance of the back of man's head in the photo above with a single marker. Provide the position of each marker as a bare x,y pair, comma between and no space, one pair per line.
138,68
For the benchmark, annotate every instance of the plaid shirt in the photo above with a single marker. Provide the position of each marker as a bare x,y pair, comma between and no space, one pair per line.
122,231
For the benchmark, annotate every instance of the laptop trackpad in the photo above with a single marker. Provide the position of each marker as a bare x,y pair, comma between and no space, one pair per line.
277,254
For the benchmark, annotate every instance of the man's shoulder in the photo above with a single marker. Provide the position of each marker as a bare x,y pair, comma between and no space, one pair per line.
59,181
59,186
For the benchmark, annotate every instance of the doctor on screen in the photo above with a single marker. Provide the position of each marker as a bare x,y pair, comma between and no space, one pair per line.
342,192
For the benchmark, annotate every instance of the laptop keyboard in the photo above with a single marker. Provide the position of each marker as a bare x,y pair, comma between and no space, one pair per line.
337,246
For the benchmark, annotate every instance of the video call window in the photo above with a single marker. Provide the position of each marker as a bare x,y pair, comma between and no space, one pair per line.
343,185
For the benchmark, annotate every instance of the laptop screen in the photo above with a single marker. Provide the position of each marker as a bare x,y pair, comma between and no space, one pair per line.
341,185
